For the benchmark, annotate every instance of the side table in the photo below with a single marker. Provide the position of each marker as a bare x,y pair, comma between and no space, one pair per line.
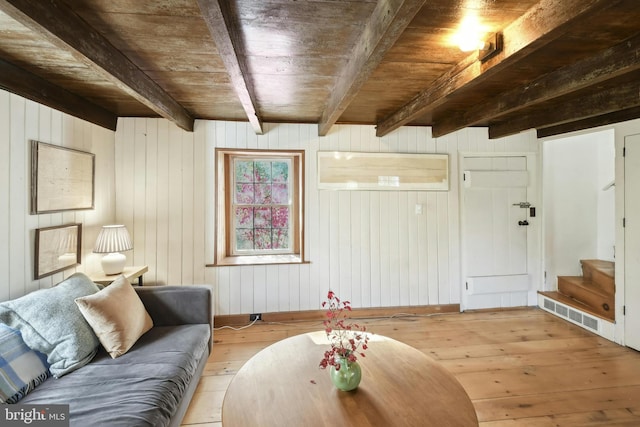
131,273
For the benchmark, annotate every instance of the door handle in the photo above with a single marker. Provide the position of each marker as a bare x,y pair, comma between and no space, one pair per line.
523,223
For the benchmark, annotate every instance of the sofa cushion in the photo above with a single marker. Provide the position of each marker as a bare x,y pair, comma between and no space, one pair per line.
51,323
143,387
116,315
21,369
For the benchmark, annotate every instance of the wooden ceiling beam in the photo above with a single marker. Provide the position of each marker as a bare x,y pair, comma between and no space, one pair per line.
603,66
606,119
226,35
387,22
619,97
19,81
59,25
540,25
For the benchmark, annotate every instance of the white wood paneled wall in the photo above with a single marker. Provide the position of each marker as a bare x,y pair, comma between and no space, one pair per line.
20,121
161,198
369,247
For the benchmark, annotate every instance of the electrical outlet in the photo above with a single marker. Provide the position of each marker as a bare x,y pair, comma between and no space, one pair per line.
255,316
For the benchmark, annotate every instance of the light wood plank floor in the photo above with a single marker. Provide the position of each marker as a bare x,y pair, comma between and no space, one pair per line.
520,367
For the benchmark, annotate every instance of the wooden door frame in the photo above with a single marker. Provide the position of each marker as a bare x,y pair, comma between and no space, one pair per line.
534,231
621,133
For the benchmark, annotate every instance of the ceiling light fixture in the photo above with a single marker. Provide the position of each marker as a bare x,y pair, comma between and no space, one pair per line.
491,48
472,36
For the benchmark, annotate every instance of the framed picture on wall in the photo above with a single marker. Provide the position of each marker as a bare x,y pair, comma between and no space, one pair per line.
62,179
57,248
382,171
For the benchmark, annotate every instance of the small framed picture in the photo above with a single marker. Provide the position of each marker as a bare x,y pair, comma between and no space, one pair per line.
57,249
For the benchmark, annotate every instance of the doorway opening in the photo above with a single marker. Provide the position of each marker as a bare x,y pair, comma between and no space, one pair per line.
578,180
578,202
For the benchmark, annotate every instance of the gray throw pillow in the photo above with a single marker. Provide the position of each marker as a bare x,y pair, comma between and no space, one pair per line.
51,323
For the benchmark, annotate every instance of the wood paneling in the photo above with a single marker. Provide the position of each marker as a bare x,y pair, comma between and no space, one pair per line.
226,34
385,62
22,82
593,70
20,121
67,31
385,25
371,248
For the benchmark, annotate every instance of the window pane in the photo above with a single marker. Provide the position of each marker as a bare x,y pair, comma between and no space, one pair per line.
244,217
280,217
280,238
262,218
280,194
244,194
244,239
263,171
262,194
280,171
262,238
244,171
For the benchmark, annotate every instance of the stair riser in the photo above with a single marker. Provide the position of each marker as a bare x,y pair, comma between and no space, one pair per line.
605,282
596,301
601,273
586,270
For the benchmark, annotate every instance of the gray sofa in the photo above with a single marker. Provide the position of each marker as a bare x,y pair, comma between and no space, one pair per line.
152,384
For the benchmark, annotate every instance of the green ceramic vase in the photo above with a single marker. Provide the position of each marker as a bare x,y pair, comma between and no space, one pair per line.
348,377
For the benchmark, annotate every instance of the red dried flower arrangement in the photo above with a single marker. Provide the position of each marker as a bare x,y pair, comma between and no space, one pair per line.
348,340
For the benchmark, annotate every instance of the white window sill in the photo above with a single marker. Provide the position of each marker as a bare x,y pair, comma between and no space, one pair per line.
259,260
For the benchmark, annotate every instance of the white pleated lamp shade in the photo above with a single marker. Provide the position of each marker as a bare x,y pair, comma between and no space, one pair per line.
112,240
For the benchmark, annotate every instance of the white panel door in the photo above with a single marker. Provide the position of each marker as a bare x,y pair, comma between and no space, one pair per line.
632,241
495,227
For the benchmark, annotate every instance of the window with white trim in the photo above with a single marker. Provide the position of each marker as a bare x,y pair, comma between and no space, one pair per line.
259,206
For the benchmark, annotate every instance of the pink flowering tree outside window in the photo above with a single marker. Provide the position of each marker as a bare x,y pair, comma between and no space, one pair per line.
262,200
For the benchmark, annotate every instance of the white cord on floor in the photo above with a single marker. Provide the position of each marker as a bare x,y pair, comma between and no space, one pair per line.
236,329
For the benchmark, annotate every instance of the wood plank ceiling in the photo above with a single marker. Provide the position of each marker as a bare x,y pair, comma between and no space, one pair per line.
562,65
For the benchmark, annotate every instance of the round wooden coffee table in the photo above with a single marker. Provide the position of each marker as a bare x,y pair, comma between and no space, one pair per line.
401,386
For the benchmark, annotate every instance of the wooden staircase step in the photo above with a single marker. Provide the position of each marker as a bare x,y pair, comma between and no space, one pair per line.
581,283
601,273
584,291
557,296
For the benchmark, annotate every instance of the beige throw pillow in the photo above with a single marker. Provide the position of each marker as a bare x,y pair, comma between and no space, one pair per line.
116,315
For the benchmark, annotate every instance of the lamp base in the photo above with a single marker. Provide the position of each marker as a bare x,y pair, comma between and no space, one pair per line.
113,263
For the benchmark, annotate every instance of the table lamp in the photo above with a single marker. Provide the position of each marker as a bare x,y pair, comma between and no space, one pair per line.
112,240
